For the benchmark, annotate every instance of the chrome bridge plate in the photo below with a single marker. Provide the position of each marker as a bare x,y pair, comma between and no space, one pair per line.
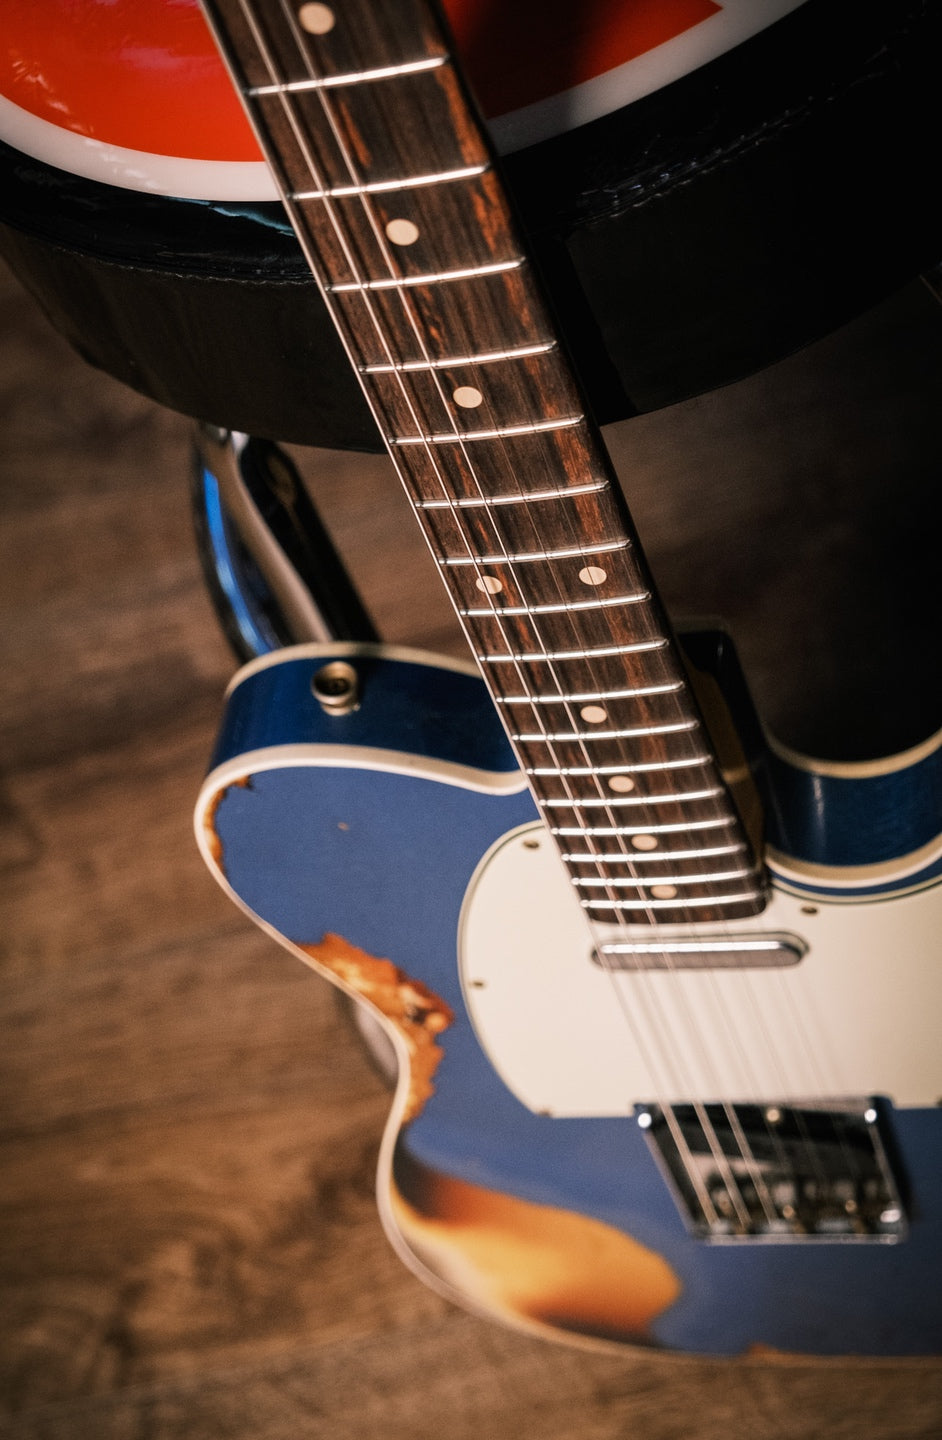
778,1172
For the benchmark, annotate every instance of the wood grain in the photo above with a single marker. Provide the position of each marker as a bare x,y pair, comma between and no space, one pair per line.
188,1241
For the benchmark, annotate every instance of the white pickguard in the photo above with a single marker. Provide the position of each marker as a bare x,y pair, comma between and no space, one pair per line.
857,1016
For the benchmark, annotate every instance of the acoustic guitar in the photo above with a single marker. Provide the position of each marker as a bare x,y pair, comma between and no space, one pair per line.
664,996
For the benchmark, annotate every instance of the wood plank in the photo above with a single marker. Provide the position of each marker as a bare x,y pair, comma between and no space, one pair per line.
457,1378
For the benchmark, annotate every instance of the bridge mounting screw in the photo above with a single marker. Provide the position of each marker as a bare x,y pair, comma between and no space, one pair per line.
336,687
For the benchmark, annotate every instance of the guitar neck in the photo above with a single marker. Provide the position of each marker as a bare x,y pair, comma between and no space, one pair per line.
390,184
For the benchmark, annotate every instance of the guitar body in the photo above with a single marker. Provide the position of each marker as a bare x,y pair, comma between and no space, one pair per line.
370,844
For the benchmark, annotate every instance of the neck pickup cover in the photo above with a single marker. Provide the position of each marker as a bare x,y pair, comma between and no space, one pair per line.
703,952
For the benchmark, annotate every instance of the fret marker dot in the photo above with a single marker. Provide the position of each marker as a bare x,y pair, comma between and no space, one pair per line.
593,714
402,232
467,397
663,892
489,584
593,575
621,783
317,19
644,842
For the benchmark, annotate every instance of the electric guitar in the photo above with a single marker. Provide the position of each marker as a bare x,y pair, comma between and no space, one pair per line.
664,997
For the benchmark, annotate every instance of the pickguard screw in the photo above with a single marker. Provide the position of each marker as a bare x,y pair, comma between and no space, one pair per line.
336,687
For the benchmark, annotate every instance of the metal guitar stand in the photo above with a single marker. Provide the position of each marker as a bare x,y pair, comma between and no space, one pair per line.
272,570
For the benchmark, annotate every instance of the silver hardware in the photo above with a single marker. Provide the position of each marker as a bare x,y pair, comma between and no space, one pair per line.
564,609
483,357
336,687
386,187
394,282
681,902
704,952
641,829
500,432
620,769
264,510
529,557
600,650
589,694
521,497
630,734
588,857
826,1176
359,77
616,802
718,877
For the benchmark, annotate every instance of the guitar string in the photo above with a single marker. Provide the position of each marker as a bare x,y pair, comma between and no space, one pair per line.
354,177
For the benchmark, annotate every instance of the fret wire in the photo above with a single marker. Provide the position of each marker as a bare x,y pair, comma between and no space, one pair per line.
440,277
619,857
389,187
666,689
359,77
682,902
617,802
576,605
713,824
626,769
523,497
598,652
533,557
484,357
638,733
715,877
500,432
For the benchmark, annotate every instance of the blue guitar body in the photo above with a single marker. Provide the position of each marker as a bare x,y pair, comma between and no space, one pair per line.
354,838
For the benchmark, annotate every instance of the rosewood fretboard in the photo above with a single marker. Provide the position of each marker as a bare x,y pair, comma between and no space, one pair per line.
391,187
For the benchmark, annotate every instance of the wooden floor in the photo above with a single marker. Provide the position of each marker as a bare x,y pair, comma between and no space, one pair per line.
188,1242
